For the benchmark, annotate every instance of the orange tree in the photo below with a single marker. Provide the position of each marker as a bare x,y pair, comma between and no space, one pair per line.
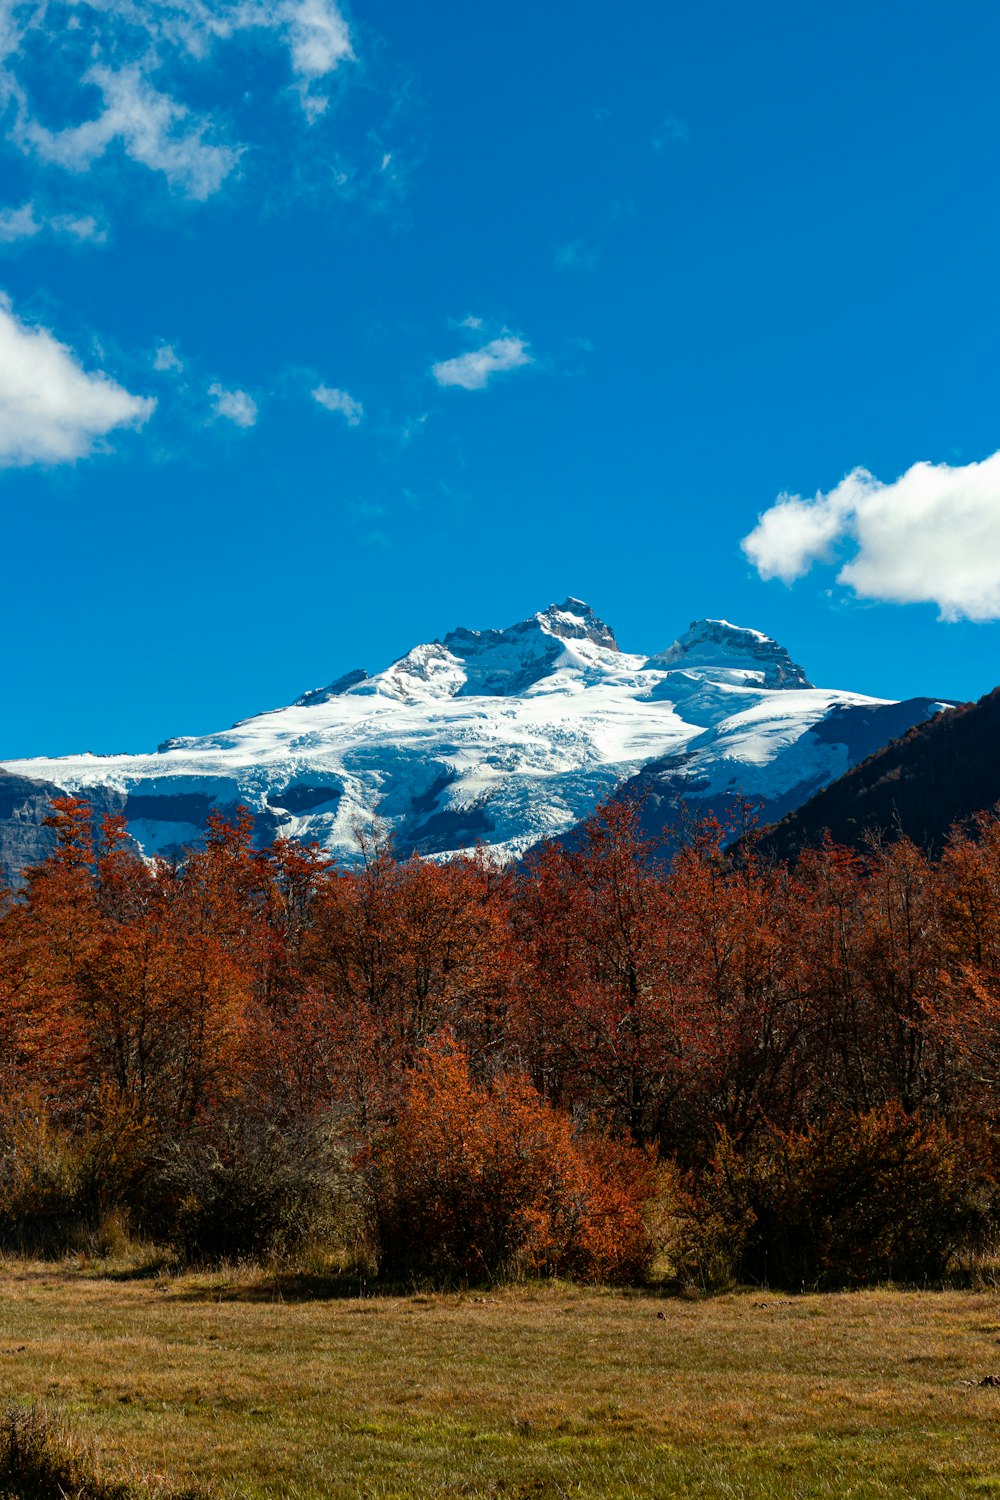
477,1180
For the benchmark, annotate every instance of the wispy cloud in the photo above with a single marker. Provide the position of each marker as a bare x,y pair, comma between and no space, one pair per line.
577,256
148,61
335,400
51,409
234,405
474,370
77,226
151,127
671,132
320,41
930,536
167,361
27,222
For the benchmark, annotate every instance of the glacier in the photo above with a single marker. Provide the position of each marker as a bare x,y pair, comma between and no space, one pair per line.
499,737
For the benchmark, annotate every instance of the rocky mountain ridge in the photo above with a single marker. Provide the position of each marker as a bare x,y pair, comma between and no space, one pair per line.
500,737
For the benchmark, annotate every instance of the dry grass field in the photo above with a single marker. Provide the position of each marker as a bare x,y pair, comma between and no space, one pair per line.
252,1389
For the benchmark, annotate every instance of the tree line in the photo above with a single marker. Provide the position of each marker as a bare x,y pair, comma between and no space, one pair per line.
593,1064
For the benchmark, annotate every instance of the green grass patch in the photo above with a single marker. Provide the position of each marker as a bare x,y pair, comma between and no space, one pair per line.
224,1384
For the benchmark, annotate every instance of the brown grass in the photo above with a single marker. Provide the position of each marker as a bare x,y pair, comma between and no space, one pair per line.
230,1382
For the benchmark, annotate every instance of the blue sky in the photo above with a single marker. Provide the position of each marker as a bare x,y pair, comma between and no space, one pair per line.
327,329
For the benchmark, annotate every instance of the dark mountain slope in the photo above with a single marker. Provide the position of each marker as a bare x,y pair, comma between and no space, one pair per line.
937,774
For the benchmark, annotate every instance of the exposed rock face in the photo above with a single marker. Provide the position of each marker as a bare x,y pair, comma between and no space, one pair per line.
504,737
341,685
25,803
495,663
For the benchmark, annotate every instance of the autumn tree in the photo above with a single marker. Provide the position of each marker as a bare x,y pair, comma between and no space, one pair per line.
477,1179
602,1015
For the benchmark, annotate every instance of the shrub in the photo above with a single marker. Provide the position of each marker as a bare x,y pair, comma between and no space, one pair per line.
40,1179
854,1200
248,1190
59,1188
480,1181
115,1154
235,1189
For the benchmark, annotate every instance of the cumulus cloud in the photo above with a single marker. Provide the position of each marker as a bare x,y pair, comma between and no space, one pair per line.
930,536
151,127
51,409
474,370
235,405
334,400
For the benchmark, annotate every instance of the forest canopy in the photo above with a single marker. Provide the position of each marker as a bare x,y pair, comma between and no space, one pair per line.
590,1065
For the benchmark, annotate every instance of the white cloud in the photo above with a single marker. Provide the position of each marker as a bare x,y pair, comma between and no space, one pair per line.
341,401
25,223
319,40
930,536
315,32
167,360
18,224
51,409
78,227
473,370
152,128
235,405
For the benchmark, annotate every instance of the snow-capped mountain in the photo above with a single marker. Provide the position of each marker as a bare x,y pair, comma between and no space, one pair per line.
500,737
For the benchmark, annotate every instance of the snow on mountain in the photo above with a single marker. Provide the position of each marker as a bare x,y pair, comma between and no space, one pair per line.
735,655
503,737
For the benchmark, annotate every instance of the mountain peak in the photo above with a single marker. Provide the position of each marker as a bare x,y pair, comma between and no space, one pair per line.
732,648
573,620
494,737
506,662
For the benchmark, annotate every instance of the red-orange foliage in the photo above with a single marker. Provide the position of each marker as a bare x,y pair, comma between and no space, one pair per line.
475,1180
602,1014
647,1003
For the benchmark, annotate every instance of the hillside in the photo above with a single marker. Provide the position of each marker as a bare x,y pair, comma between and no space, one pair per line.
940,772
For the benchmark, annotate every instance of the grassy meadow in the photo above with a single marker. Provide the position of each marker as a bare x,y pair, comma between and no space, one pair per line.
250,1386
